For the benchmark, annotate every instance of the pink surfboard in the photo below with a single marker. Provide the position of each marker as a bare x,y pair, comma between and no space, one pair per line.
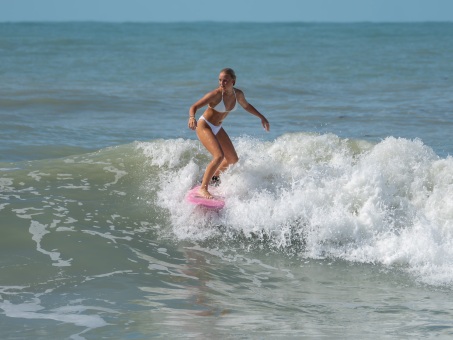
216,203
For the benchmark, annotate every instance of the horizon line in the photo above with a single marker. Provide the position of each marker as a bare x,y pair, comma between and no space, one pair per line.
223,22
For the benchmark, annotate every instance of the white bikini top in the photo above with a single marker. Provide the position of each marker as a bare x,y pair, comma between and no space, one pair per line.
220,107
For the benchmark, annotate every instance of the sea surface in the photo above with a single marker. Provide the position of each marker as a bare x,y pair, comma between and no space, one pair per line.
338,223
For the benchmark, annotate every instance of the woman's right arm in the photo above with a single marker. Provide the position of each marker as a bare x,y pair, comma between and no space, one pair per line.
207,98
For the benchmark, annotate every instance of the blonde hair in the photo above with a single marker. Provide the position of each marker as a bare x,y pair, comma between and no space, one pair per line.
230,72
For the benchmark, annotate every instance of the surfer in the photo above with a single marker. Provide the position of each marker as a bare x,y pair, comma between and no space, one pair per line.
210,132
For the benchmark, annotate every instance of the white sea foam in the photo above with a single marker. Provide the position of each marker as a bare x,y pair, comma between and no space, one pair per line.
37,175
391,203
118,175
66,314
38,231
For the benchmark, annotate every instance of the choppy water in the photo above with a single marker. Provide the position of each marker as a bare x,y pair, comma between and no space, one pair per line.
338,223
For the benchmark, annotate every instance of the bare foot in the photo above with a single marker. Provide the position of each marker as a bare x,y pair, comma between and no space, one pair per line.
205,193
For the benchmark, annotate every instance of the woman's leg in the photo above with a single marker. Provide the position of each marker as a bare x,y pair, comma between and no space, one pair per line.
211,143
230,155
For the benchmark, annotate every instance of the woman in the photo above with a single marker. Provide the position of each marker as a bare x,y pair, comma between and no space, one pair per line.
221,102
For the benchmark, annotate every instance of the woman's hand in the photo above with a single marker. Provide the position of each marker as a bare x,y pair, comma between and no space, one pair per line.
192,123
265,123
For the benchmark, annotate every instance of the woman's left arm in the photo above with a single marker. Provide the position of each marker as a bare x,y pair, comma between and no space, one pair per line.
251,109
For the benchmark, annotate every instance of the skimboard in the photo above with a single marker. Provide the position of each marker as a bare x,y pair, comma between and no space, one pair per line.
215,203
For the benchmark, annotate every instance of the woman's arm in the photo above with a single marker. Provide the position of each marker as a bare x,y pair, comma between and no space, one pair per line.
251,109
207,98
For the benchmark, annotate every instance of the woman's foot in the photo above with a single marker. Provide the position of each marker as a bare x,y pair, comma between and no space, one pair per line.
203,192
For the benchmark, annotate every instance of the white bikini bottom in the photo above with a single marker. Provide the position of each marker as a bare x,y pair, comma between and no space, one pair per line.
215,128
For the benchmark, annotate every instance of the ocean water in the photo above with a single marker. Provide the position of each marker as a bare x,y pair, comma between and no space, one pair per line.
338,222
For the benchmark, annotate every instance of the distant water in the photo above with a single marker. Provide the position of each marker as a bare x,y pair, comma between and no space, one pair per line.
338,223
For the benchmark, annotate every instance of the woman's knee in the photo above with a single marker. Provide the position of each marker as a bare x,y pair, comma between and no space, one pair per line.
232,159
218,158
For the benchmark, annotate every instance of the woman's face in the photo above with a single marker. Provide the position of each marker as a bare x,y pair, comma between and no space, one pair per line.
225,81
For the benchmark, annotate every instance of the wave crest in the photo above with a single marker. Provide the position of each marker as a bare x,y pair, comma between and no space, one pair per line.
389,203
